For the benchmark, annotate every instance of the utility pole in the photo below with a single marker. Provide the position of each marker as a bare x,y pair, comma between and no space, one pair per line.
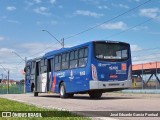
25,60
142,75
61,42
25,76
156,77
8,83
2,76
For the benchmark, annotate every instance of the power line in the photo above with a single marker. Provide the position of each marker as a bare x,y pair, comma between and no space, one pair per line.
107,20
96,26
7,62
43,50
146,58
146,49
154,53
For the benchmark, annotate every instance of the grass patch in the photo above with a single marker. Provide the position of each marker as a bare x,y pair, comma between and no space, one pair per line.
10,105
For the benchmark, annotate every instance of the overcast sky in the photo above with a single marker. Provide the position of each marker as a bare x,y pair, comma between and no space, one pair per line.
22,22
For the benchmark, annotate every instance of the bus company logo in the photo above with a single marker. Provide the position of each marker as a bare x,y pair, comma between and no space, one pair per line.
102,65
61,74
71,75
99,64
82,73
6,114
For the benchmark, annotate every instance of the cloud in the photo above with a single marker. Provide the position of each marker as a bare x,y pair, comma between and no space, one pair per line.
135,48
121,6
155,33
13,21
33,48
2,38
11,8
60,6
140,28
114,26
37,1
102,7
6,50
95,2
88,13
150,13
52,1
42,10
52,22
134,0
5,53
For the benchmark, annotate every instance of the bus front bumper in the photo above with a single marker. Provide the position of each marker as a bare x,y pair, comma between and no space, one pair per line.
95,84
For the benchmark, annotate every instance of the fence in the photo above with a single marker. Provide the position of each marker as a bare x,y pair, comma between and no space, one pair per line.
13,89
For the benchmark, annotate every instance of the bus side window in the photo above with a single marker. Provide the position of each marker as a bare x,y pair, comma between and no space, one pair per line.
43,66
28,72
83,57
57,64
65,58
49,68
37,68
33,68
73,59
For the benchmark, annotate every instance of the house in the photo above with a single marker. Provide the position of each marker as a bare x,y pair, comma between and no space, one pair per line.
11,82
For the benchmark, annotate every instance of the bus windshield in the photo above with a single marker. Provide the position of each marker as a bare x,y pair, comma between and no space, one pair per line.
111,51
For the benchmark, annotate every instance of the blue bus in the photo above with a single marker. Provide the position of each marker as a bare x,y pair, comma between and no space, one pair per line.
94,68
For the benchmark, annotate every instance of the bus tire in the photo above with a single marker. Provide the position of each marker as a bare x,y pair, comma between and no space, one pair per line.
32,87
35,94
95,94
62,91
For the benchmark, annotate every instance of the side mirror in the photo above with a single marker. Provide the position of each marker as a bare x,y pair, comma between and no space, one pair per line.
25,69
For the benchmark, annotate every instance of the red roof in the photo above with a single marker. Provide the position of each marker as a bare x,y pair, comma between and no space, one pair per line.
151,65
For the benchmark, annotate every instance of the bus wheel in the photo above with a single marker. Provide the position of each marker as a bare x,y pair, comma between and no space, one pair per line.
63,93
95,94
35,94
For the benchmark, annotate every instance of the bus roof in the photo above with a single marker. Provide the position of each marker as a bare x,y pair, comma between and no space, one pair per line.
65,49
54,52
81,45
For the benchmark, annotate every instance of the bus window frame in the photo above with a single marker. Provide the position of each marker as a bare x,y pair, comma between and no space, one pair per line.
69,59
113,60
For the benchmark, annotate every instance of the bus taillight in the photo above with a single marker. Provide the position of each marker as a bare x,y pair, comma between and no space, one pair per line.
113,76
94,72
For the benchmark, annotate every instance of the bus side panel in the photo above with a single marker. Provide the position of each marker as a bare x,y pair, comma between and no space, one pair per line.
62,76
28,76
44,82
76,80
28,85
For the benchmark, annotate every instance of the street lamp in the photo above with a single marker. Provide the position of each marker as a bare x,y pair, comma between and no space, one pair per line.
61,42
25,60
